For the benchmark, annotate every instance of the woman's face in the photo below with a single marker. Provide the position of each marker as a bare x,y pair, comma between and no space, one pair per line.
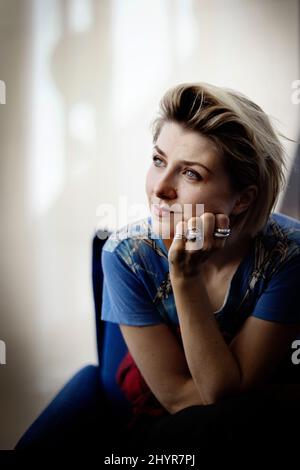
171,180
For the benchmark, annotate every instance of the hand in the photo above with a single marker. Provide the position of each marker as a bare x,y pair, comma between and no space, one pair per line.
186,257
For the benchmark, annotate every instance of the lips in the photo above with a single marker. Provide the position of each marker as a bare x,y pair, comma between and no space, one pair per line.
161,211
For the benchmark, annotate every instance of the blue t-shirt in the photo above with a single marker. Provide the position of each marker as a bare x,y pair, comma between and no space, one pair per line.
137,288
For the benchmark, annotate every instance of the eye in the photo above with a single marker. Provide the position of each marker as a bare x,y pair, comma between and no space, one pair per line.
193,175
157,160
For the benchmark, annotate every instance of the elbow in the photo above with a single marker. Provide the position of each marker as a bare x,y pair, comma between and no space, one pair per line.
222,391
187,402
190,395
219,395
175,407
187,395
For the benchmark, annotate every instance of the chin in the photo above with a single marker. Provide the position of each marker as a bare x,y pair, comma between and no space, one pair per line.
163,228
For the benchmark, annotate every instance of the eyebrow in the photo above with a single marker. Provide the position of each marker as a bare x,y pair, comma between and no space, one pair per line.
185,162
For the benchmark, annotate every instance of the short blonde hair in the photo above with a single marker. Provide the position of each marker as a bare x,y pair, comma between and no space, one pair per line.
249,146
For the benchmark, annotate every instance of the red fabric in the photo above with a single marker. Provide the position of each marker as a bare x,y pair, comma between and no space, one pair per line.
136,390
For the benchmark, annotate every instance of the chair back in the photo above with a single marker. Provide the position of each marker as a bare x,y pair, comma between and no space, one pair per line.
111,346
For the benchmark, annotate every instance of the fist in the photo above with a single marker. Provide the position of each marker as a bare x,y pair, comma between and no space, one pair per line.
186,256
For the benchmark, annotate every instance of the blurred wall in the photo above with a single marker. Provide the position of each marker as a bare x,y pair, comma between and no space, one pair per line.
83,79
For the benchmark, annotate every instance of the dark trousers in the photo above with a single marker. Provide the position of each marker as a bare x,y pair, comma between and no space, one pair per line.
261,421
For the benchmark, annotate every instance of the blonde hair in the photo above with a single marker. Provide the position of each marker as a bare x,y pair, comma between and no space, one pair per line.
249,146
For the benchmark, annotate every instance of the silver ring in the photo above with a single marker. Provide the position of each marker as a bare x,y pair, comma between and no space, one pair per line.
194,234
222,233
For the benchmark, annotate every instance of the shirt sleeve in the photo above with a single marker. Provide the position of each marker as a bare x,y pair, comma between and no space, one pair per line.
280,302
125,299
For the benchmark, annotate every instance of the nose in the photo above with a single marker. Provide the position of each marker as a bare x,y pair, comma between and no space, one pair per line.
165,189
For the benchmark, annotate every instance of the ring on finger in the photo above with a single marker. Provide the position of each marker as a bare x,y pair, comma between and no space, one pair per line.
193,234
222,233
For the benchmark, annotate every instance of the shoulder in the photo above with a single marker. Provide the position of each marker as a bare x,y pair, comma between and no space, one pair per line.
279,241
284,229
273,288
135,242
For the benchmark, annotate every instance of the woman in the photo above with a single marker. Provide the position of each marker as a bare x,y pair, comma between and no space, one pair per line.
207,302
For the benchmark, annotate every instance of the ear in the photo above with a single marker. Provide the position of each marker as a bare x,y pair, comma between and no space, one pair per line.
244,199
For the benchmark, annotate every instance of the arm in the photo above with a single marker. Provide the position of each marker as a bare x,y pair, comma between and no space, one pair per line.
252,356
152,344
213,367
162,363
259,347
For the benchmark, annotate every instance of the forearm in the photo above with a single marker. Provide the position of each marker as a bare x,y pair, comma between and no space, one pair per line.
212,365
186,395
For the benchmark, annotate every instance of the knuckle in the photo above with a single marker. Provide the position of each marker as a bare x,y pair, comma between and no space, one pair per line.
222,219
208,216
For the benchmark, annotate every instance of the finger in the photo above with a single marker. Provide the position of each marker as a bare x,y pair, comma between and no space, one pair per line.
208,219
178,242
195,232
221,221
177,248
